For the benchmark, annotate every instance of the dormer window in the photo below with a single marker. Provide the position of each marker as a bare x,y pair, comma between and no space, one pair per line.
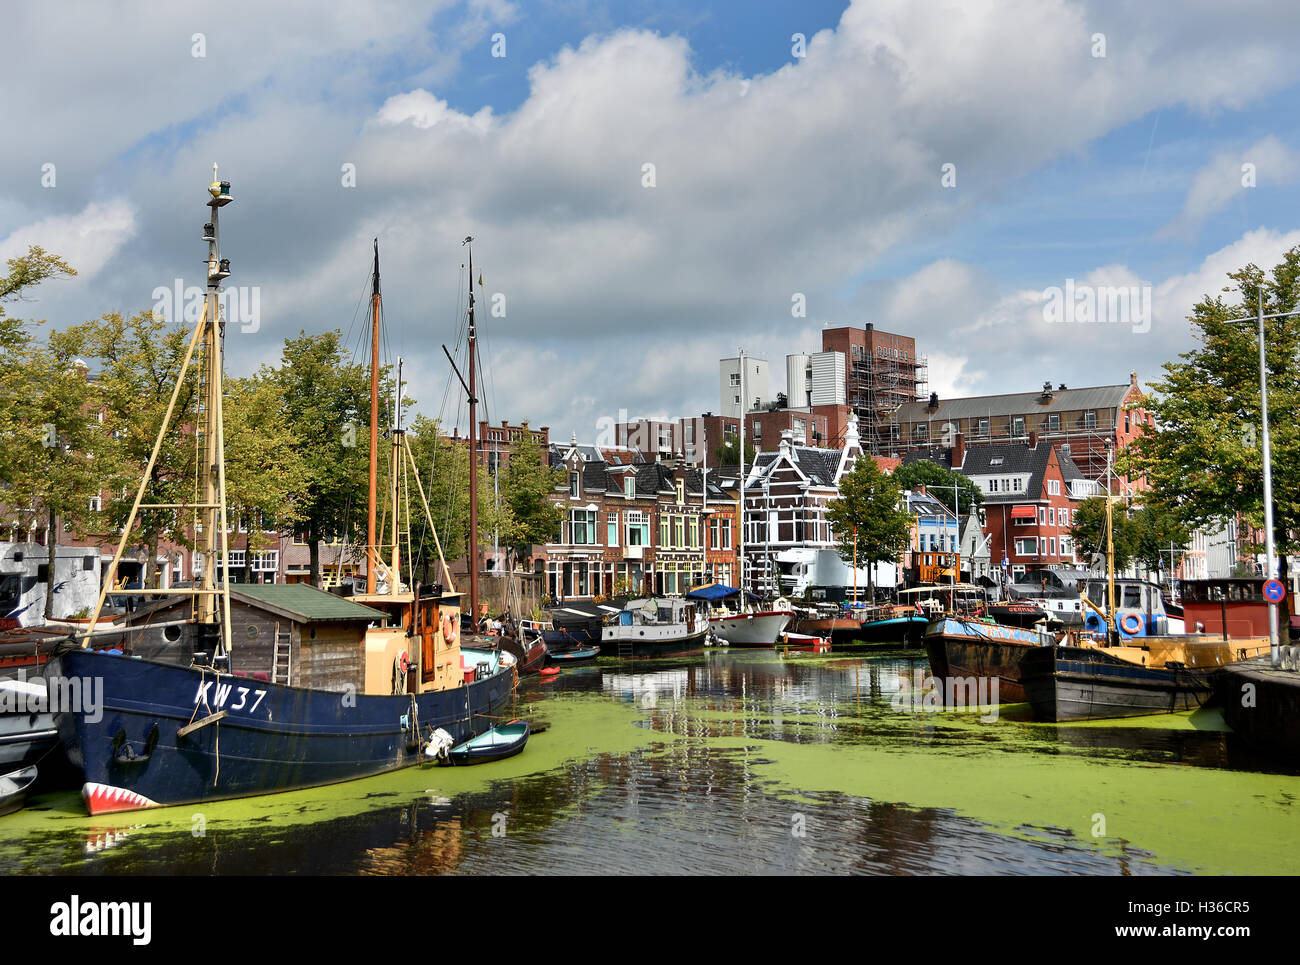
575,485
629,486
996,461
681,492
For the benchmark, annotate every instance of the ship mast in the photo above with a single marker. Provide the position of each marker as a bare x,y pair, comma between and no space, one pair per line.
744,599
395,578
372,548
473,451
212,614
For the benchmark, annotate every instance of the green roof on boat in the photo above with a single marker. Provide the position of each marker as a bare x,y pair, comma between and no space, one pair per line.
303,602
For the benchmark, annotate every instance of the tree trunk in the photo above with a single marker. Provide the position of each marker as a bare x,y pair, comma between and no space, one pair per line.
313,543
248,555
147,578
51,543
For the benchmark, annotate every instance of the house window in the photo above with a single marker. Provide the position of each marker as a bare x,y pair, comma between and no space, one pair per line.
629,486
1054,421
758,430
637,528
1042,516
681,492
735,378
1051,545
612,527
1090,419
1018,426
582,527
664,531
575,485
921,431
1053,487
694,532
984,427
1063,516
1027,546
993,485
1042,546
679,531
1051,516
96,504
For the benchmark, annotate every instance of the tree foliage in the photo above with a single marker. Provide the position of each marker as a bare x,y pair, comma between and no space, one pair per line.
869,504
1204,463
939,483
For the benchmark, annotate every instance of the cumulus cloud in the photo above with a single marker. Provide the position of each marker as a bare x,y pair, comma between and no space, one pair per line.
1267,162
86,240
620,294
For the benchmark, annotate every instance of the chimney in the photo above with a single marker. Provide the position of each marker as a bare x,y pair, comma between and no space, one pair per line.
786,436
958,451
1033,439
934,401
1133,378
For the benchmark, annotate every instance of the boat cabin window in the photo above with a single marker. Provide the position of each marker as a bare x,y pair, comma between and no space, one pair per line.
1132,597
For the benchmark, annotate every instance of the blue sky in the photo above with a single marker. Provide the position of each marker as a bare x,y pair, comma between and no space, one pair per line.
776,176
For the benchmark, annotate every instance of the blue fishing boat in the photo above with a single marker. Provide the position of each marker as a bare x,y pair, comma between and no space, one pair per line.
352,688
184,735
496,744
979,648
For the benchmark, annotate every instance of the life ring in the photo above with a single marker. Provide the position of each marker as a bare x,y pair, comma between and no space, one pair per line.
403,662
1130,623
450,627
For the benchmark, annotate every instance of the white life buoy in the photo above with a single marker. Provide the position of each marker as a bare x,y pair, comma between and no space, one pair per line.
1130,623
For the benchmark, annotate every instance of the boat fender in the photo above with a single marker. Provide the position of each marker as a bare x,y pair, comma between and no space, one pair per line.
401,666
440,742
1130,623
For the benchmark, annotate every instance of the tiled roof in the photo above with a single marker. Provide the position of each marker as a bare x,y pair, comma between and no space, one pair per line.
1015,403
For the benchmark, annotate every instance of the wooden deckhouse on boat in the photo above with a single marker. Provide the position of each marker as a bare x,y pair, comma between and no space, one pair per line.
194,729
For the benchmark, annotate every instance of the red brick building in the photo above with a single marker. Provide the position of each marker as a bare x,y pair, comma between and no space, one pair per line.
647,528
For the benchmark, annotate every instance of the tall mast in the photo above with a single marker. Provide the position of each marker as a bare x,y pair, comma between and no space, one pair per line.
213,471
743,588
395,578
473,451
372,548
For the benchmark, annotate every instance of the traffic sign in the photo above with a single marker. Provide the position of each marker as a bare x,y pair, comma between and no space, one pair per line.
1274,591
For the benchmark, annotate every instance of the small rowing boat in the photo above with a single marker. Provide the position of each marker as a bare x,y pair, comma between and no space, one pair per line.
495,744
14,787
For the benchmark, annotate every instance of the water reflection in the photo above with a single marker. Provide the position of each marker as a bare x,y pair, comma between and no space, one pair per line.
726,763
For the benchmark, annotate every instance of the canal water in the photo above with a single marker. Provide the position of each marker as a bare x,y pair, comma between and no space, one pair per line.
738,762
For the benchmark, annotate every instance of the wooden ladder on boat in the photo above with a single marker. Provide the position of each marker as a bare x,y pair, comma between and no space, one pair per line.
281,665
624,648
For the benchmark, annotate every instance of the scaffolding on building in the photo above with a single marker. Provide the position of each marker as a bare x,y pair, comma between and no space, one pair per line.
879,383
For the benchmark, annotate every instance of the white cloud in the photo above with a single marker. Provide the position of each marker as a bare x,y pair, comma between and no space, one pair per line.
85,240
1268,162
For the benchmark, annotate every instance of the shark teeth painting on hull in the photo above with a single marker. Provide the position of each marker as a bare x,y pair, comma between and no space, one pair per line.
105,799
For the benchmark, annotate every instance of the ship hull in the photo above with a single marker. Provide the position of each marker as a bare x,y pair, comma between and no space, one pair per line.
272,738
966,648
751,629
1075,683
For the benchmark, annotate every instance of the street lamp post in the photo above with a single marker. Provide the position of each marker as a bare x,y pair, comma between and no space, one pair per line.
1270,547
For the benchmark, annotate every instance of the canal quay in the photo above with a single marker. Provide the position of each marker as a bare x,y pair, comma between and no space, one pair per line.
736,763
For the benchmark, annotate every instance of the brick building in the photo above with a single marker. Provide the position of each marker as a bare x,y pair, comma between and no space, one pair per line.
883,372
645,527
1088,420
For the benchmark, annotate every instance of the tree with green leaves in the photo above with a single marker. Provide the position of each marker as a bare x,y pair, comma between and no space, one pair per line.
868,519
728,452
443,463
1204,462
527,481
265,468
1142,534
326,408
939,483
137,361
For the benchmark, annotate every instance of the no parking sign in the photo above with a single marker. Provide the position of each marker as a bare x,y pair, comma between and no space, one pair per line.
1274,591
